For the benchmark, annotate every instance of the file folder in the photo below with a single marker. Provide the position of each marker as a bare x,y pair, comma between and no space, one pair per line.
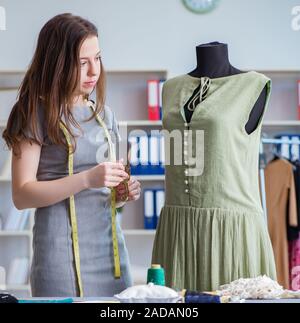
153,100
149,216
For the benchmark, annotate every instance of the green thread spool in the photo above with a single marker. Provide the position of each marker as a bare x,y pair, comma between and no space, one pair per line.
156,275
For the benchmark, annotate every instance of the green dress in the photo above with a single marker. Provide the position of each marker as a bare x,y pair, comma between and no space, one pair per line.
212,228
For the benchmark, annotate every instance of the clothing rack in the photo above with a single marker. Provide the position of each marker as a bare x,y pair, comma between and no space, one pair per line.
262,166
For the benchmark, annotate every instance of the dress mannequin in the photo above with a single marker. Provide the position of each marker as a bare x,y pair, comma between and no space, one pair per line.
213,62
211,229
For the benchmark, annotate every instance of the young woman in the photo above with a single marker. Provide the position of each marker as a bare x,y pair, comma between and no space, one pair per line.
64,166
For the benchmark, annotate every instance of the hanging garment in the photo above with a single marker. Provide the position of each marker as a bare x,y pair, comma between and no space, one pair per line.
53,272
281,208
211,229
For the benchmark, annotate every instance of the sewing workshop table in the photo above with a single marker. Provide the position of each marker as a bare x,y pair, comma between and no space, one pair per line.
77,300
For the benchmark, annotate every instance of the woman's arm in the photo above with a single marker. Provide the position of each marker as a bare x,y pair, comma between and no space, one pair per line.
29,193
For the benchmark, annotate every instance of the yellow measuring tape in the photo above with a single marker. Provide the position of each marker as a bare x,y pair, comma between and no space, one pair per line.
112,156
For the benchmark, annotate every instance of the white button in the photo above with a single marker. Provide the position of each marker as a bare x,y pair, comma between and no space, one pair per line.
186,182
185,124
185,162
185,133
186,190
185,152
186,172
185,143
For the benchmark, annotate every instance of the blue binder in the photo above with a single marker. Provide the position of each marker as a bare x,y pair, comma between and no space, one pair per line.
147,156
149,209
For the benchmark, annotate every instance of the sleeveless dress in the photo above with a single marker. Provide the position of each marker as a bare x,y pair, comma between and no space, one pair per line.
212,229
53,271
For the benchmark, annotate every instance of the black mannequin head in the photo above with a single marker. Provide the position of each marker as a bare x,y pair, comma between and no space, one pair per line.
213,61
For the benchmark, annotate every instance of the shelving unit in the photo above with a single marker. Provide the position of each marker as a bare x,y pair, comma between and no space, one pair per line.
13,244
16,244
282,114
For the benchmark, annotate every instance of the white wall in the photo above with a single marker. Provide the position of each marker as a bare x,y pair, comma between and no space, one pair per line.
161,34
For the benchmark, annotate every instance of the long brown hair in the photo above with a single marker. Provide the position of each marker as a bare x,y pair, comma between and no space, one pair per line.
50,82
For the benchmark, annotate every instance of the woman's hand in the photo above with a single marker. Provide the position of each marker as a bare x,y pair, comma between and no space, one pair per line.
134,191
106,174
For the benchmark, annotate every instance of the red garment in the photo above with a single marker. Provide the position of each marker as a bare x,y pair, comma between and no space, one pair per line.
294,264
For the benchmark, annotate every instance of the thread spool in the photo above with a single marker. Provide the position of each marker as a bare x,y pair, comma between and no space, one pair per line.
156,275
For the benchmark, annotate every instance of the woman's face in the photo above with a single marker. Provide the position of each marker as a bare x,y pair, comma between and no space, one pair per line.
89,65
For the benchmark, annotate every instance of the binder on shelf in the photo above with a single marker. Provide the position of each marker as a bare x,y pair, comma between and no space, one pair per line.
144,154
148,157
134,149
149,208
162,154
154,200
154,155
153,100
144,150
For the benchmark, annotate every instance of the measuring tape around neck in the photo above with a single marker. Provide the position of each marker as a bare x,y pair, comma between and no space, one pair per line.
74,227
112,156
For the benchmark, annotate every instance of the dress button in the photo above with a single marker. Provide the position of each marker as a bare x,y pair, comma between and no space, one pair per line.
186,124
186,172
185,134
185,162
186,191
186,182
185,152
185,143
